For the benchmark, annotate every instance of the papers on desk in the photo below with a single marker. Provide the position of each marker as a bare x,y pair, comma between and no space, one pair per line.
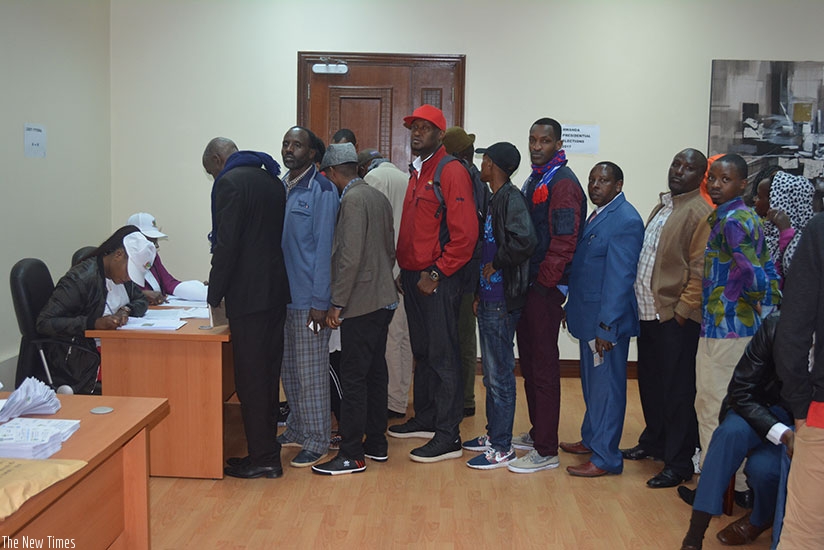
174,301
142,323
35,437
32,397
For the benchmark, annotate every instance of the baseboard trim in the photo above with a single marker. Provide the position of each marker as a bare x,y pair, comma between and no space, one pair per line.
570,368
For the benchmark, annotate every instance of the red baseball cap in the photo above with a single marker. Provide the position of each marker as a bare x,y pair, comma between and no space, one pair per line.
429,113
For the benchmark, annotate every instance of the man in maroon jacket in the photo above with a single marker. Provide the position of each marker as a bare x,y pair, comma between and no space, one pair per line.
558,209
434,244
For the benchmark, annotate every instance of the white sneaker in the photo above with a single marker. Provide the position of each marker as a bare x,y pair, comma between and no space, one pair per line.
533,462
523,442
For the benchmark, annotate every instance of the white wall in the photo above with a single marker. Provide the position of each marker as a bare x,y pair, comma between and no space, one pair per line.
54,62
183,72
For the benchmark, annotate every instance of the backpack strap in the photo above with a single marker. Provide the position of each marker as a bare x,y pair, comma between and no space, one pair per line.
436,183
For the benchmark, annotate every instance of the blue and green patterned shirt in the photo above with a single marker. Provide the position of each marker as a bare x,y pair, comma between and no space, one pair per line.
738,273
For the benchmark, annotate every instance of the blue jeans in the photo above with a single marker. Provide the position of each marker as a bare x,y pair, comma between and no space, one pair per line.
496,327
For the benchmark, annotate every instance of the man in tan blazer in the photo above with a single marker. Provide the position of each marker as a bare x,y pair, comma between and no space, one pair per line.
364,299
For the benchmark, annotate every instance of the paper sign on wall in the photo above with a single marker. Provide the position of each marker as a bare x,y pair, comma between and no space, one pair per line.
581,139
34,145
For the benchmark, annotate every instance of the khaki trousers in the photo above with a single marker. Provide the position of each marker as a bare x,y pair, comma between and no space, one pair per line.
714,363
803,524
399,360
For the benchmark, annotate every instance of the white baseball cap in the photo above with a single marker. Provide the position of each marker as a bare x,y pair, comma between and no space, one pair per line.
147,225
141,256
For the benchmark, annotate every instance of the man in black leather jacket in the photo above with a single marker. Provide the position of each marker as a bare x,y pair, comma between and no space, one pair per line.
754,422
508,241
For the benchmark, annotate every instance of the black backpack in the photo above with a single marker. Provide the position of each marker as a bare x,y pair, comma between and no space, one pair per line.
480,194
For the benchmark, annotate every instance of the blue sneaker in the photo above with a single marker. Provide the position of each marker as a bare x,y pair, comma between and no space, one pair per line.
479,444
492,459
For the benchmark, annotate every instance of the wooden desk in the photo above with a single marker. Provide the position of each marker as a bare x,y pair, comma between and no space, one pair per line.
104,504
190,367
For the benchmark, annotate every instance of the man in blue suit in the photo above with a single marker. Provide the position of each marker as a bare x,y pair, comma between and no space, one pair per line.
602,313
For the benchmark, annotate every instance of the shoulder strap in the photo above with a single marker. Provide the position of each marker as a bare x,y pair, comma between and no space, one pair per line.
436,182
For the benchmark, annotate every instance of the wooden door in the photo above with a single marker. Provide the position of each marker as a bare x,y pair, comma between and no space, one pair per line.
375,94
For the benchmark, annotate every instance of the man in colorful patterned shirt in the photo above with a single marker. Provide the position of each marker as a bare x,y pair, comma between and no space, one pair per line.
738,277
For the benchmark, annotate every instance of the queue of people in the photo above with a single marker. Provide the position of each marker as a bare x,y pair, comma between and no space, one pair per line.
345,241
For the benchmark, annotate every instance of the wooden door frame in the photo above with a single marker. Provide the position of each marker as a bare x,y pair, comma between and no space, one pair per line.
395,59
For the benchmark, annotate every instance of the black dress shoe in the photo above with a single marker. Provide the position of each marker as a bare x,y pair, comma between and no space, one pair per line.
635,453
667,478
238,461
249,471
686,494
744,498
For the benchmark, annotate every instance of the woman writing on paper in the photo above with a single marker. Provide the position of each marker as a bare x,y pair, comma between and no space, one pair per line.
101,292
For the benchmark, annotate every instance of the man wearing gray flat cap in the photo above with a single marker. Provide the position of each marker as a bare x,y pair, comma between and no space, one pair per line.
363,301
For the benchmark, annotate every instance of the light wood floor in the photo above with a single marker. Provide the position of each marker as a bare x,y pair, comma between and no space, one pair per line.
401,504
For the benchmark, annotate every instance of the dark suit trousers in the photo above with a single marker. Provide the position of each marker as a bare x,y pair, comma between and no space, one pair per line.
666,383
433,333
540,365
257,346
363,380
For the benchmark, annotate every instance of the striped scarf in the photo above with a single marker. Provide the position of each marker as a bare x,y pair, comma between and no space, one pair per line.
546,173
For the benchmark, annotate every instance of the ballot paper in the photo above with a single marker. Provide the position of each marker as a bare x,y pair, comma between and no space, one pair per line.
174,301
32,397
35,437
142,323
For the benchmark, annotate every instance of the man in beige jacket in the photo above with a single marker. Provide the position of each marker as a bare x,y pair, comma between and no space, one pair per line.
668,290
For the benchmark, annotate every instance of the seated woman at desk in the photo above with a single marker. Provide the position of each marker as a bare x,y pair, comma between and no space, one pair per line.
159,282
101,292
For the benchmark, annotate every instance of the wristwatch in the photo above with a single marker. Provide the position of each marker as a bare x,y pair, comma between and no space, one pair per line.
434,274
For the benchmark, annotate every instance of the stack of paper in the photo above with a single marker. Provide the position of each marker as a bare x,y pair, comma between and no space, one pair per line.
34,437
140,323
32,397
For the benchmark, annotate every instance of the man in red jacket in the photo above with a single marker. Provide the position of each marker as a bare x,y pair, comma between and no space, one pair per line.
435,242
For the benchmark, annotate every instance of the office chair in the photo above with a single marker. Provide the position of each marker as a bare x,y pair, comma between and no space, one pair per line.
31,286
80,253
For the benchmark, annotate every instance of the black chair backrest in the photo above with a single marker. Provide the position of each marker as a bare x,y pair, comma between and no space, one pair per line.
81,252
31,288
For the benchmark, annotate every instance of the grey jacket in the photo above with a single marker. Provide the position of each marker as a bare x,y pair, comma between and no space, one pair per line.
363,252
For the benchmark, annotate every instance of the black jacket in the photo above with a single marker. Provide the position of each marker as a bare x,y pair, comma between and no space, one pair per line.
802,317
79,299
755,386
516,239
248,269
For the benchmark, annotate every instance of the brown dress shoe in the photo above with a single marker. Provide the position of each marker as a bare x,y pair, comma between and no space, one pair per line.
741,531
577,448
587,469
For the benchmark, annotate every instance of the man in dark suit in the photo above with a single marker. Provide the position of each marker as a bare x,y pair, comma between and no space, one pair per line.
602,314
364,299
248,204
